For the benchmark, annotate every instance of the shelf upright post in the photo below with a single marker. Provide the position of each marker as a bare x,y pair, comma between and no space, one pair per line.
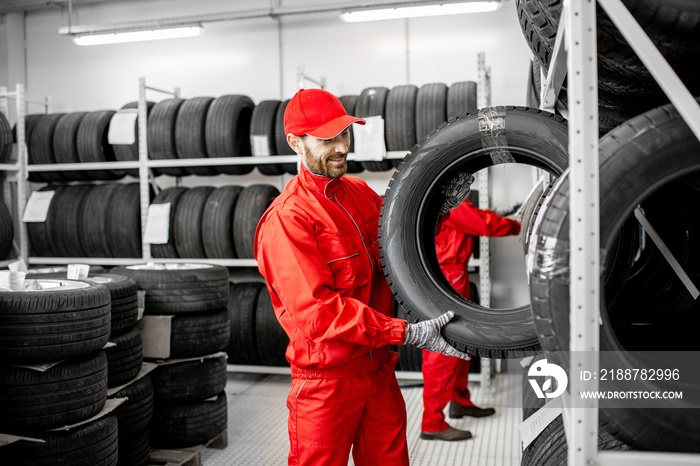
483,97
144,181
584,236
22,177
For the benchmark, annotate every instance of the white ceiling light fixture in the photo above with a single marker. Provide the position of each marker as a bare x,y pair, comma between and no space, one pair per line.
378,14
121,37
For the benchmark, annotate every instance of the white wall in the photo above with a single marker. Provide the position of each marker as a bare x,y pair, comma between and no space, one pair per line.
245,56
259,58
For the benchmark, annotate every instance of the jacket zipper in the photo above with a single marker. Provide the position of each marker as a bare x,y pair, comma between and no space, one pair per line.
371,263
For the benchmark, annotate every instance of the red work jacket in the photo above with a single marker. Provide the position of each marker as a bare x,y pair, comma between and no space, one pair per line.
454,241
316,247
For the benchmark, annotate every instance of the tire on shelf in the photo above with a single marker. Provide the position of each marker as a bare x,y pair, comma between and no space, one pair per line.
161,135
179,288
66,212
29,124
349,102
227,131
251,204
40,234
136,413
187,225
93,221
271,339
217,222
644,307
418,191
372,102
185,381
431,108
262,135
400,121
125,359
65,144
93,146
123,226
242,305
5,139
461,99
281,138
91,444
130,152
190,127
69,392
189,424
170,196
66,319
200,334
40,144
7,234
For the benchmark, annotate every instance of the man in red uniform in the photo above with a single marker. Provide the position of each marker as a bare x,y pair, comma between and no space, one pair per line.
317,249
445,378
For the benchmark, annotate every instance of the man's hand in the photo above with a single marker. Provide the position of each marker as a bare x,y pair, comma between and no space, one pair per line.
427,335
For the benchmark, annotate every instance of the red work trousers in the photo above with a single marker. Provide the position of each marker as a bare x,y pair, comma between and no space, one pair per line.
328,416
445,378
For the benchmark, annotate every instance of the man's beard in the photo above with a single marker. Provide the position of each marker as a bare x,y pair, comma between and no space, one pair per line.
320,167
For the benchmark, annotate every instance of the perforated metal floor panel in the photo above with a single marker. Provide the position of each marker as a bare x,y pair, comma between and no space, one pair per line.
257,426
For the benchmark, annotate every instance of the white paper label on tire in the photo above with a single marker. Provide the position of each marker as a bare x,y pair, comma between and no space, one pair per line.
369,140
157,224
533,426
37,207
261,146
122,127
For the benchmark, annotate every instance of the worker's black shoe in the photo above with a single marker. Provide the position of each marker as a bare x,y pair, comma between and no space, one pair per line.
450,434
457,411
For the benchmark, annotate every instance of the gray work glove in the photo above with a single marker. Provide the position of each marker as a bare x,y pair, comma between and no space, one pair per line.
427,335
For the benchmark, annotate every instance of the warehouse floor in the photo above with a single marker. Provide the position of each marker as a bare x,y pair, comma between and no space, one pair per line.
257,425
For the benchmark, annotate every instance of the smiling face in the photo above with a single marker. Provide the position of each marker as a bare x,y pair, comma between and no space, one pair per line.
325,157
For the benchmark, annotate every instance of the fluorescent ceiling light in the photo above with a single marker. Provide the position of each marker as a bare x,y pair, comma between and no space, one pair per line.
418,11
136,36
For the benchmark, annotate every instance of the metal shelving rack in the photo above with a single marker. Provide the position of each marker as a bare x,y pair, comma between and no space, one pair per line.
576,39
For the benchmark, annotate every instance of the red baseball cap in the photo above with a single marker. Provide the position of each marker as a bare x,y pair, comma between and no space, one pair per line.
317,113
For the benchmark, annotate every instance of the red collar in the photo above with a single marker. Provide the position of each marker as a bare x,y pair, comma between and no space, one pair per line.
323,184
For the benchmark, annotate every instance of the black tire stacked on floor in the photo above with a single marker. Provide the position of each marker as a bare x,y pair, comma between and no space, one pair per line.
67,324
124,362
197,296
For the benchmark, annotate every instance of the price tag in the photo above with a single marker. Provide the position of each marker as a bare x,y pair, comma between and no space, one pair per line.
261,144
158,224
37,207
369,140
122,127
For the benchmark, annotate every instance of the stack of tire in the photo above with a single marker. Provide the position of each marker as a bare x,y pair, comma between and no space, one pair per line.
256,336
646,170
85,220
6,139
124,361
549,448
214,223
62,326
190,402
625,86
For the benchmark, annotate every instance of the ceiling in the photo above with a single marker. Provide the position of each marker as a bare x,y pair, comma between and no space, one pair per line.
16,6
